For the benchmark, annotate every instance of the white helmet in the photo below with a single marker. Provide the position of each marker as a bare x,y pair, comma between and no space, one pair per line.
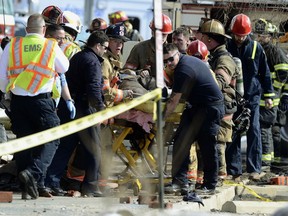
70,20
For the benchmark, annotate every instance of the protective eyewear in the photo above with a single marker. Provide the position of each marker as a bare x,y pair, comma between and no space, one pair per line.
170,59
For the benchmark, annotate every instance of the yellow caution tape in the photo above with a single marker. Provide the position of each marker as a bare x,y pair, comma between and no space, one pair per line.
251,191
43,137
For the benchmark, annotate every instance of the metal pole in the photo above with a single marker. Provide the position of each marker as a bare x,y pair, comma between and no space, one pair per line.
160,84
88,12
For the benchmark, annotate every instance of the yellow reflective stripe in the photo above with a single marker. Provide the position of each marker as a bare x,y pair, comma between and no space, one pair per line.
269,95
254,50
283,66
266,157
39,71
273,75
275,102
277,84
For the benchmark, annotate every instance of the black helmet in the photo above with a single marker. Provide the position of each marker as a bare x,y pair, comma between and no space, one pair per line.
118,31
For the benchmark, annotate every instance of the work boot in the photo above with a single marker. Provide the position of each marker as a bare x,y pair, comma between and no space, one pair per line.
29,184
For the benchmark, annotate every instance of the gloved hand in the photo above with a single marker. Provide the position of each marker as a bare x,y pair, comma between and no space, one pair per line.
283,105
71,108
128,94
144,73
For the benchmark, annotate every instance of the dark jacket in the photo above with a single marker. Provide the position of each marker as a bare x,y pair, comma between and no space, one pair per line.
256,73
84,78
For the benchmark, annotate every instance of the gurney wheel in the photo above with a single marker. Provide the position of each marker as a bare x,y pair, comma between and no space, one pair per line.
136,189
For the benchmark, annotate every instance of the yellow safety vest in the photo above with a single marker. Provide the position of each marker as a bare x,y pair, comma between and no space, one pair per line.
31,64
69,49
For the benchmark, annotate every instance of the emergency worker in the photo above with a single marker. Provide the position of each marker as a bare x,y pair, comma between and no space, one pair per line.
142,57
181,37
256,79
224,67
97,24
32,107
201,118
84,78
112,66
271,120
57,32
121,17
199,50
71,24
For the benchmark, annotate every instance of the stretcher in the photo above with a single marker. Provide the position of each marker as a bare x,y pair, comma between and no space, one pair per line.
132,144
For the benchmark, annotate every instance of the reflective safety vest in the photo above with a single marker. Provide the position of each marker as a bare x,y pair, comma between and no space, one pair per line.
69,49
31,64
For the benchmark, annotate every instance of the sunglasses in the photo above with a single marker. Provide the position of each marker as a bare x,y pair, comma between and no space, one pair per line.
170,59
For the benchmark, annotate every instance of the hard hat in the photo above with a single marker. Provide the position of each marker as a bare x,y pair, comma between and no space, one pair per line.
264,27
241,25
51,14
118,31
70,20
166,26
97,24
214,27
118,16
198,49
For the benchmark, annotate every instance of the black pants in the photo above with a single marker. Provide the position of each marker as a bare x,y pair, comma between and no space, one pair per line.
30,115
197,124
88,140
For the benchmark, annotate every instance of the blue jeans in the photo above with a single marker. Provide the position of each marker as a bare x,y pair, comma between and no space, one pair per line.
254,147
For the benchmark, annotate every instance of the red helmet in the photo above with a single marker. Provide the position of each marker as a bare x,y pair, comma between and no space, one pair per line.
97,24
167,25
51,14
118,16
198,49
241,25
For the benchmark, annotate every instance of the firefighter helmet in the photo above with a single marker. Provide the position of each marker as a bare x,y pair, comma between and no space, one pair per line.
214,27
51,14
198,49
166,25
118,16
97,24
241,25
70,20
118,31
264,27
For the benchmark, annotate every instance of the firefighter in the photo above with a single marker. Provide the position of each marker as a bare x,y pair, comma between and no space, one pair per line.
112,66
195,174
120,16
271,120
256,78
199,121
224,67
72,26
142,56
97,24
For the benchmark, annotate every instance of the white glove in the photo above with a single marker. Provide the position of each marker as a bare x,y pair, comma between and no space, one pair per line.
71,108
